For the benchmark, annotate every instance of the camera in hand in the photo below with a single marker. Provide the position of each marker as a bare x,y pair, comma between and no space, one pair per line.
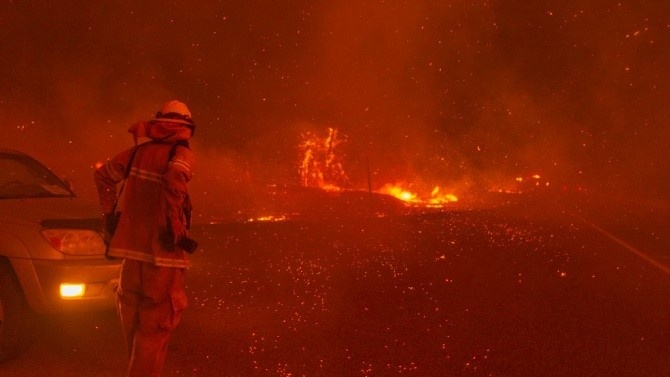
188,244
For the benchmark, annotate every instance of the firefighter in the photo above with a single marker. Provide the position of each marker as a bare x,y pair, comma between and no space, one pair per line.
143,192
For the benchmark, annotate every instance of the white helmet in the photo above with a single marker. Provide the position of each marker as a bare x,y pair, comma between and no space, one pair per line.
176,112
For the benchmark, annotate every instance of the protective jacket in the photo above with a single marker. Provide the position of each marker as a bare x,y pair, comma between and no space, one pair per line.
153,198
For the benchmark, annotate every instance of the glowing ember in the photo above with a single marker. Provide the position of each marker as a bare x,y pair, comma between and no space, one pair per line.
330,188
269,218
522,184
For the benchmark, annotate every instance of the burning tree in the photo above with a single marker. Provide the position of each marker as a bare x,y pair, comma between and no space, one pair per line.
321,165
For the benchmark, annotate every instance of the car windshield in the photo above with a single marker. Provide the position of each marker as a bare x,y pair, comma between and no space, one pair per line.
23,177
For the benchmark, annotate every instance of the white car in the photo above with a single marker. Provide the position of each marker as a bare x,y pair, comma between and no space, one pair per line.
52,254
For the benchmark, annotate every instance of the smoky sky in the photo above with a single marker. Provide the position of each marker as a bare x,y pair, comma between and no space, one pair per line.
426,90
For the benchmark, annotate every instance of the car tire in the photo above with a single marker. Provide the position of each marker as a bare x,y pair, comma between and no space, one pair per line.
16,318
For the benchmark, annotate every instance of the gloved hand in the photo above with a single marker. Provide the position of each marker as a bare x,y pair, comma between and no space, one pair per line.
188,244
177,239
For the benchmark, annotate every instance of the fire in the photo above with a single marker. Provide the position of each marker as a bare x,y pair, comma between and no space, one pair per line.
438,198
321,166
398,192
435,199
268,218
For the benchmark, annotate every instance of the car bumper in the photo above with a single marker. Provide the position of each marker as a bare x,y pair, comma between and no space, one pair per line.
99,279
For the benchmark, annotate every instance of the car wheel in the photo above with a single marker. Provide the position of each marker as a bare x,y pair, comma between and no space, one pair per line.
15,316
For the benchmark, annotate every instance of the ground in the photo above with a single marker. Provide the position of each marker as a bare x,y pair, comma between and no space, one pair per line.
528,288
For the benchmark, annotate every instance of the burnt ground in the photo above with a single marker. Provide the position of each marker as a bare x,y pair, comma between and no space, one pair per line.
525,288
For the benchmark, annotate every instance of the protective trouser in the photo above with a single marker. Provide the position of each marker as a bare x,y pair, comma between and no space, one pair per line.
150,302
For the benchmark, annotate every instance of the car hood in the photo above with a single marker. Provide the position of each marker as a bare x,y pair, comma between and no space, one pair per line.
37,210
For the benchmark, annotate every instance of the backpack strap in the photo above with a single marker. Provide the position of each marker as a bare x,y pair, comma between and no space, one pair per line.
125,175
130,163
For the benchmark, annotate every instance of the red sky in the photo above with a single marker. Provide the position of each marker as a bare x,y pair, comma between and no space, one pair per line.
433,90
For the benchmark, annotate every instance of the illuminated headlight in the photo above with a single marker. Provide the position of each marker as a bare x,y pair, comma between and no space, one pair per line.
72,290
75,241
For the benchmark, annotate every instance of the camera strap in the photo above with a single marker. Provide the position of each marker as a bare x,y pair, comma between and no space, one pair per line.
125,176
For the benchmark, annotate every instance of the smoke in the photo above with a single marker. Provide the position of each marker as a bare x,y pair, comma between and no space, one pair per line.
462,93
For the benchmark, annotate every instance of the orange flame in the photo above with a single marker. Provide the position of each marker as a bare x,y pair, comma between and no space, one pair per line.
435,199
321,167
268,218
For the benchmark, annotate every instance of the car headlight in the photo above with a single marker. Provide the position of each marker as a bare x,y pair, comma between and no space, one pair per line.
70,290
75,241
